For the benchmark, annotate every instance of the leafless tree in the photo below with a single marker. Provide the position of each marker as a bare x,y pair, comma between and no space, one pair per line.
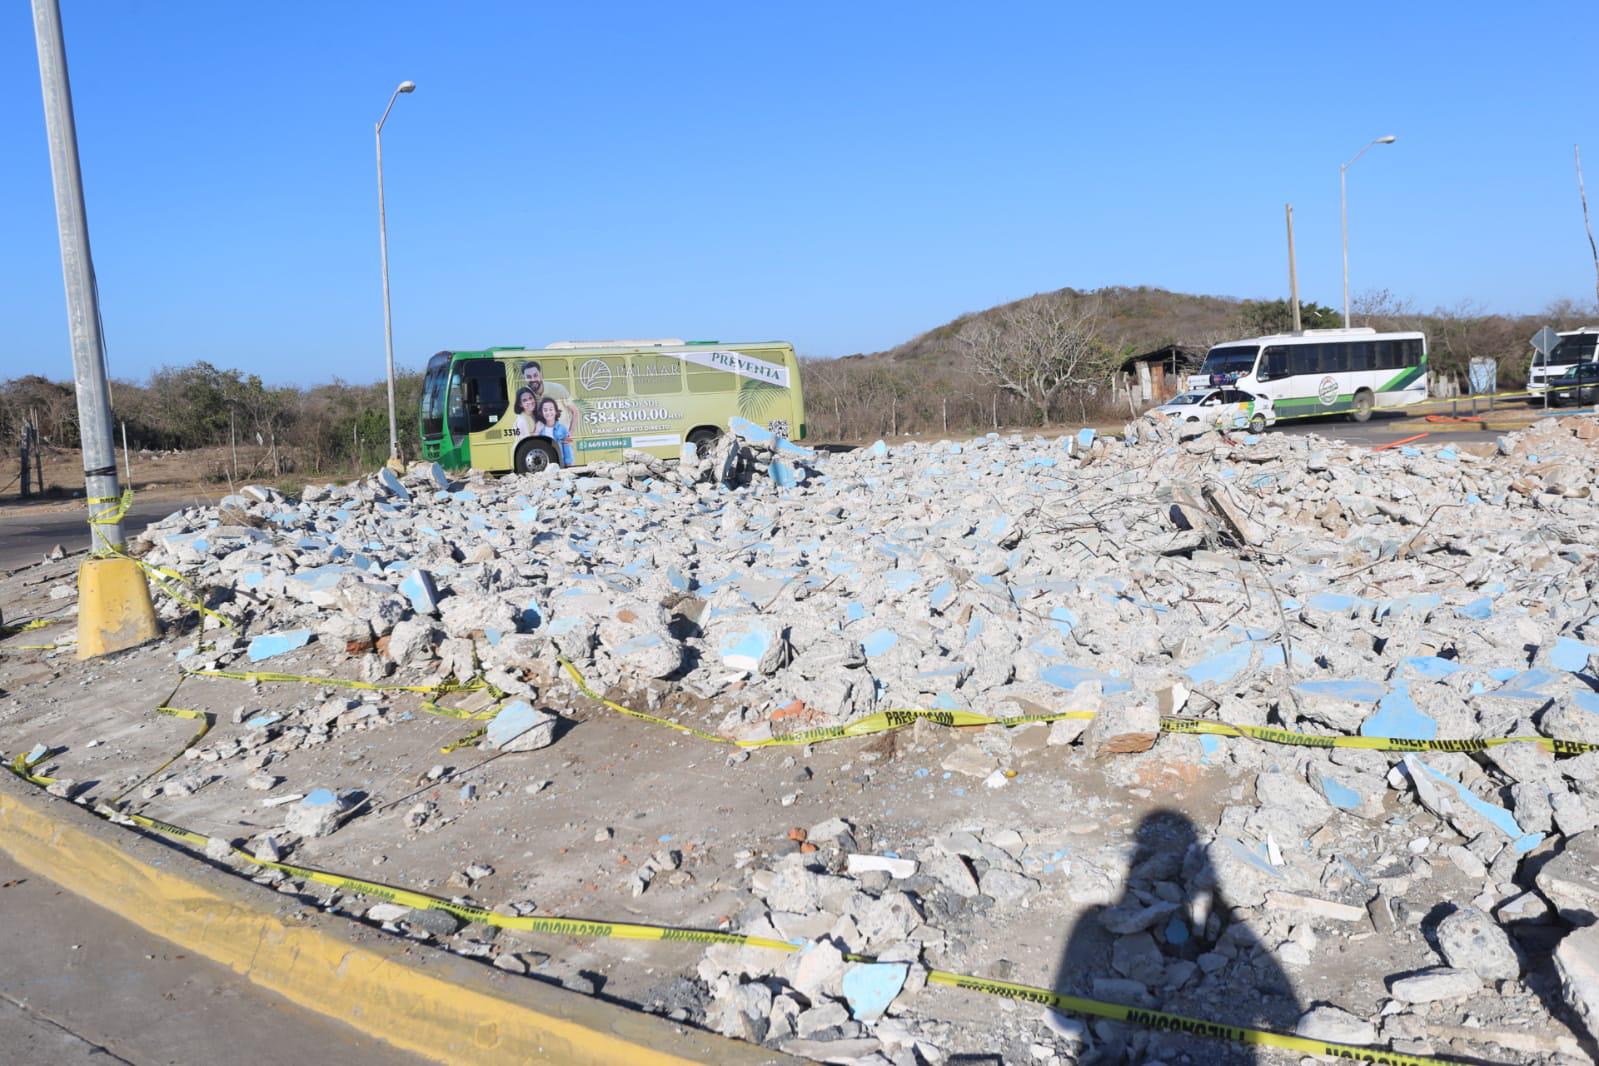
1039,350
1384,310
1459,334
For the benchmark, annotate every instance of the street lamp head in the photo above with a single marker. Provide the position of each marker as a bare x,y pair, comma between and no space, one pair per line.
1390,139
410,87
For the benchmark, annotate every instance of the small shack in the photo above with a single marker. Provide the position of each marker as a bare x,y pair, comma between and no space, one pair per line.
1157,376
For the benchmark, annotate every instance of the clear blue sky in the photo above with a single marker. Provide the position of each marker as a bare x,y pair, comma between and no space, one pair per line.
844,176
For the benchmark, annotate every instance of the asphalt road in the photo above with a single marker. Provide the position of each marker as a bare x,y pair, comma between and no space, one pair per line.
1382,429
81,985
27,533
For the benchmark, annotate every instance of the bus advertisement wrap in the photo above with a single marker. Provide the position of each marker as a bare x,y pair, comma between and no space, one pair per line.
506,409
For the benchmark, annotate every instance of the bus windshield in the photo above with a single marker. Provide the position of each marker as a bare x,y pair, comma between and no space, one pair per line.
433,384
1232,362
1577,348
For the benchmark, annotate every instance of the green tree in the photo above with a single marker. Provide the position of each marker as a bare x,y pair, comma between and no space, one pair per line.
1263,317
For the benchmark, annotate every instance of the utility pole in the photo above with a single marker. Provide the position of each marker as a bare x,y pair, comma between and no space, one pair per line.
114,609
1293,275
83,307
383,251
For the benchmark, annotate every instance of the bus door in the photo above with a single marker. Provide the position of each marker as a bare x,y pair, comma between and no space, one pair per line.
478,402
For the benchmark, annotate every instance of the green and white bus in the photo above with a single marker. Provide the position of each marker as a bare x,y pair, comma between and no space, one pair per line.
1323,371
579,402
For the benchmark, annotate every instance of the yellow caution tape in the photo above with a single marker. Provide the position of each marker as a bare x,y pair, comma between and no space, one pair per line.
462,742
28,627
430,704
1311,740
591,929
887,721
161,575
257,676
205,720
24,627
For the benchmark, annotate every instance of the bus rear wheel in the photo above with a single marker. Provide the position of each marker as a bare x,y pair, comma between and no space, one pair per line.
1363,405
704,440
534,457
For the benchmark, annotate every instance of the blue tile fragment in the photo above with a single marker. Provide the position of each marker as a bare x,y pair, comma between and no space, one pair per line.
1398,717
267,645
869,988
880,642
1571,655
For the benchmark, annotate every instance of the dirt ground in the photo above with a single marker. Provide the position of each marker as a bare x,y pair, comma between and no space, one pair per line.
564,828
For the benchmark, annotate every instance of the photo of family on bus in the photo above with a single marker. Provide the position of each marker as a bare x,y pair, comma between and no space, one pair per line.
538,416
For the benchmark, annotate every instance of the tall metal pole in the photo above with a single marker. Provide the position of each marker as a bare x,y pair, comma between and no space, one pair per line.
1343,203
383,245
77,268
1293,274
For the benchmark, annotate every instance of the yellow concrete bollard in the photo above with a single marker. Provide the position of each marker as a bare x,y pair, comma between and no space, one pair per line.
114,608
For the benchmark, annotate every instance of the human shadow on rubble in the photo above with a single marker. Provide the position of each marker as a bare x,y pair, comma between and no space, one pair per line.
1169,943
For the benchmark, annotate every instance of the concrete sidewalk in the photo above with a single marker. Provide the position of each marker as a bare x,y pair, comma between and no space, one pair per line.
81,985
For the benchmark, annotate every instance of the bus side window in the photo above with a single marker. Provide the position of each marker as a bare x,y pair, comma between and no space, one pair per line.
601,376
486,398
1304,359
1274,364
705,379
1389,355
656,375
1334,358
556,372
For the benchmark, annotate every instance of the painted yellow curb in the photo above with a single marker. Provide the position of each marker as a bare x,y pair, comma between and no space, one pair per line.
450,1015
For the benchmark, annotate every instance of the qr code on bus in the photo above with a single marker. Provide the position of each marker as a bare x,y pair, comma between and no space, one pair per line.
778,426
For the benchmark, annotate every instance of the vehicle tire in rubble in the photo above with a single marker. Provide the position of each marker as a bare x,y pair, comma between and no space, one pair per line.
704,441
1363,405
535,457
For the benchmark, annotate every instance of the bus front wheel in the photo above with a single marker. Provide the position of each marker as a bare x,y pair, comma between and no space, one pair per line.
704,440
1257,425
1363,406
534,457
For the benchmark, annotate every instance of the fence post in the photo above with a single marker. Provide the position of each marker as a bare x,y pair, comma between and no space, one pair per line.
27,457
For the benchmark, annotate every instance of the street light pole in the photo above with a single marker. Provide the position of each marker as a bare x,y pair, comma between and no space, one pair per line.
83,308
383,245
114,608
1343,201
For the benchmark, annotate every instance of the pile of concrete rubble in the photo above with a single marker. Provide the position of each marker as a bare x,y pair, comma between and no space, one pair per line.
1289,582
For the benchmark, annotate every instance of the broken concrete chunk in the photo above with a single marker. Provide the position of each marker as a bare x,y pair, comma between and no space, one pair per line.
1335,1025
1123,727
894,867
1570,880
418,587
516,726
1430,986
1577,963
1470,940
316,815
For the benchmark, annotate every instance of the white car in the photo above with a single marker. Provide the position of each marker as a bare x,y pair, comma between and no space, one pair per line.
1226,408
